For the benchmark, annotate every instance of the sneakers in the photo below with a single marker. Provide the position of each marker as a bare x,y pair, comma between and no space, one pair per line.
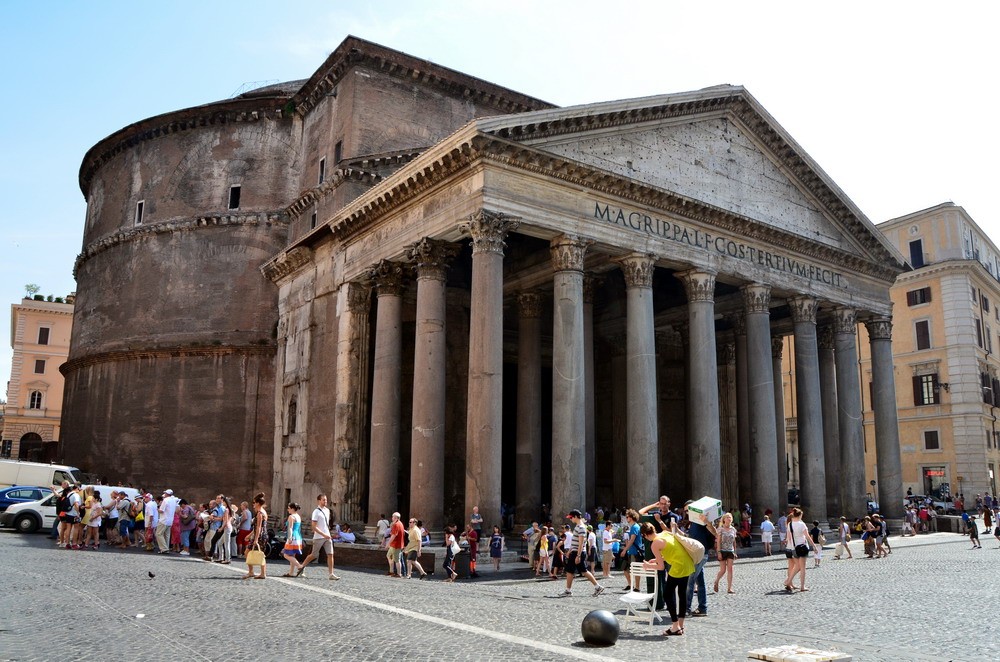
185,553
598,590
698,612
334,577
565,594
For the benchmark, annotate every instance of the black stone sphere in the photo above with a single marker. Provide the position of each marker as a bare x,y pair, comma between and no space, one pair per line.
600,628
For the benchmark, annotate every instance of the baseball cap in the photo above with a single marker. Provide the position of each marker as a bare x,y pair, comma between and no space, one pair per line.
169,492
574,513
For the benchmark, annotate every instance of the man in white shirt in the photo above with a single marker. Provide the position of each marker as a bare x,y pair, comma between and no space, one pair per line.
576,560
322,537
168,506
152,519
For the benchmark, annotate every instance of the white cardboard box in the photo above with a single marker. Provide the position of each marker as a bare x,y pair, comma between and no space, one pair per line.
704,510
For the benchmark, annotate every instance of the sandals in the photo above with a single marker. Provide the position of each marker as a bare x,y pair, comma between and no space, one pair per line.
673,633
788,588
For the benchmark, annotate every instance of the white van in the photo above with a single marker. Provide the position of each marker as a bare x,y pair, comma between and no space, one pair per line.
106,491
15,472
31,516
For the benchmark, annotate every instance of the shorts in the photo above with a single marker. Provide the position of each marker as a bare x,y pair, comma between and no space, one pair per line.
69,519
322,543
125,528
789,553
576,562
801,551
411,555
394,553
726,556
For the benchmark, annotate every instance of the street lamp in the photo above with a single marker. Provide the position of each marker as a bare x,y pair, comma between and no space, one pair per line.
875,497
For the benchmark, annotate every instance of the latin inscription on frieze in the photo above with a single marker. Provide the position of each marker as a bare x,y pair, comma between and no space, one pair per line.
720,244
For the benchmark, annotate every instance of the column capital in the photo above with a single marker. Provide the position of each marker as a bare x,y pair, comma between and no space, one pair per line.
590,282
430,257
358,297
845,320
739,322
824,338
529,304
388,278
803,309
699,284
777,346
879,328
568,252
638,269
488,229
756,298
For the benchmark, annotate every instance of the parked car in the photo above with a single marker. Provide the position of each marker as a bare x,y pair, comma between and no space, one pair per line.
941,507
31,516
15,472
21,493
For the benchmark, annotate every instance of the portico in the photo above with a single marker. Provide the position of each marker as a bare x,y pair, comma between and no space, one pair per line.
514,262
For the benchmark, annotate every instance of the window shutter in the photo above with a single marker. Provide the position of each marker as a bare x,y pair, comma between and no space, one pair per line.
917,392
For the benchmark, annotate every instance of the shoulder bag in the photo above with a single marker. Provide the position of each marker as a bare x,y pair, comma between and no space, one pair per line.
694,548
256,556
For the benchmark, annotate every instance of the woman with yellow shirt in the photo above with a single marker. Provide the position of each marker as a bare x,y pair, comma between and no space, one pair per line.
666,549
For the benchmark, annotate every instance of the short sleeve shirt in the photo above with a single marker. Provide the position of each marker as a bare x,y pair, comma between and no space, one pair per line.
320,523
580,530
396,535
636,547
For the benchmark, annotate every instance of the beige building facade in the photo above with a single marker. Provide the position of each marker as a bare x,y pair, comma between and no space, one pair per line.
40,334
946,343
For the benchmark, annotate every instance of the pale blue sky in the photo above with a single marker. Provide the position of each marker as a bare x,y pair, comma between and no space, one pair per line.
895,100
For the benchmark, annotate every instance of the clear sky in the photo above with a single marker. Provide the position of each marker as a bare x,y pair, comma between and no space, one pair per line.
895,100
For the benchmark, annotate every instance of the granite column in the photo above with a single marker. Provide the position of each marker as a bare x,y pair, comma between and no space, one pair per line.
569,465
348,492
387,370
890,474
777,346
760,389
850,422
484,418
831,425
809,416
529,407
744,472
706,476
427,440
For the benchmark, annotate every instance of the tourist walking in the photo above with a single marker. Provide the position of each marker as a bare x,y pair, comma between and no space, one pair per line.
451,548
576,556
394,551
323,534
767,534
725,550
497,545
632,545
666,550
544,557
608,545
293,540
800,543
224,548
705,533
973,531
819,540
412,550
844,535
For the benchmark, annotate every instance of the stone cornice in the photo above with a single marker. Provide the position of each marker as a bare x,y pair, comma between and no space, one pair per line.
286,263
354,52
126,235
164,353
312,196
219,112
30,305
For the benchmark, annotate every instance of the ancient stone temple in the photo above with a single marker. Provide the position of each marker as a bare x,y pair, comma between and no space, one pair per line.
480,298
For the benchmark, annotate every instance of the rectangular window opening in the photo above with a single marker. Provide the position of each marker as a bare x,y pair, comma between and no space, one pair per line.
322,170
925,390
312,221
338,151
931,441
923,331
917,253
917,297
39,366
234,197
43,335
138,211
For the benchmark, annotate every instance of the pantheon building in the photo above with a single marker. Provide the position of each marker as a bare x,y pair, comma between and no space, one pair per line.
415,290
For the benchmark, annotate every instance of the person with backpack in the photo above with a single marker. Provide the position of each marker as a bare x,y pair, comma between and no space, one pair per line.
125,516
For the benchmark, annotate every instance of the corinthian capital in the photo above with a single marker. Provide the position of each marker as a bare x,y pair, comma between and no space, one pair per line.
638,269
879,328
756,298
488,229
529,304
845,320
699,284
824,337
388,278
777,346
739,322
803,309
431,257
568,252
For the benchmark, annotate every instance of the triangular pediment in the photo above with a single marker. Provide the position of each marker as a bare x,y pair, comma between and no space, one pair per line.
715,146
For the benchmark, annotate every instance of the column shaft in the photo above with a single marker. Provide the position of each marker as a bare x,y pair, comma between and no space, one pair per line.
387,370
850,421
484,418
831,426
348,493
777,345
569,467
643,471
745,474
706,476
529,410
890,473
809,409
589,282
760,389
427,439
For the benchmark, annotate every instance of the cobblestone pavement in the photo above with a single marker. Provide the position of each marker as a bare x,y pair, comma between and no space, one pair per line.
921,603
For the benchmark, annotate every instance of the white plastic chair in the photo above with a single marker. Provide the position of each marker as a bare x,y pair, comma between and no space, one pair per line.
638,596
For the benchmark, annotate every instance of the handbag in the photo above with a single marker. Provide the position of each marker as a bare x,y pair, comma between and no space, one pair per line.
255,556
455,549
694,548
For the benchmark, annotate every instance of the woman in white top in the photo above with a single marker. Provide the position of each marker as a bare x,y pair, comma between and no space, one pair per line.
800,543
226,527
